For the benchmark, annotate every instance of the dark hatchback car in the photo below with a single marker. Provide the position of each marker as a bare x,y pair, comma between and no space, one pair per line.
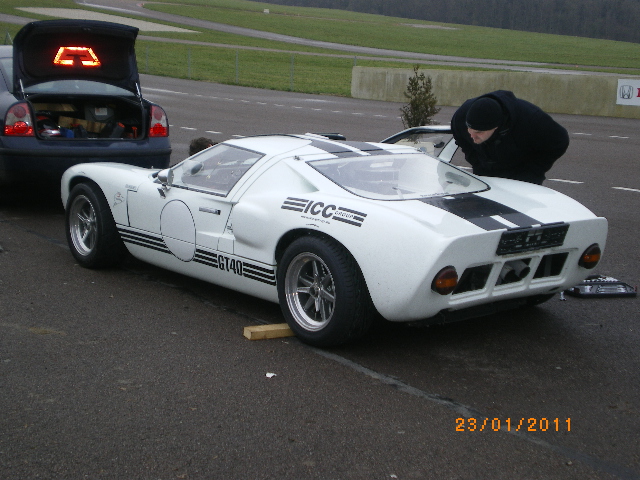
70,93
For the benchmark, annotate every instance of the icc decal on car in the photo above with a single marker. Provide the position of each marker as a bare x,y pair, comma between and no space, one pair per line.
69,94
338,233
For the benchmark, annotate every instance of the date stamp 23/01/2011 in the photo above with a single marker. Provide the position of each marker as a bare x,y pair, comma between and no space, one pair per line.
516,424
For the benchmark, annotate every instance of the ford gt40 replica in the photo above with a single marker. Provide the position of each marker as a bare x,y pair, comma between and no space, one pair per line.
338,233
70,93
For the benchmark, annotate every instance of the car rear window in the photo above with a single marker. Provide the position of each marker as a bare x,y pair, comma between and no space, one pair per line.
398,177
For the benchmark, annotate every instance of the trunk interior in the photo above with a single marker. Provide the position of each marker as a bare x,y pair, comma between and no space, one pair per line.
82,117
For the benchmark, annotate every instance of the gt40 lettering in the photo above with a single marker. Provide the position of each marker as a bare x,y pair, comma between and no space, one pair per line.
230,265
310,207
236,266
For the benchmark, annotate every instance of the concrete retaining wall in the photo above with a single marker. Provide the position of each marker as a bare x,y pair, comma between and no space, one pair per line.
554,93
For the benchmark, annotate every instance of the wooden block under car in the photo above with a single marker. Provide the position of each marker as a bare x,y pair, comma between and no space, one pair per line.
262,332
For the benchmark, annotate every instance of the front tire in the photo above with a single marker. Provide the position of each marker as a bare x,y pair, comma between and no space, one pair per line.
322,293
91,231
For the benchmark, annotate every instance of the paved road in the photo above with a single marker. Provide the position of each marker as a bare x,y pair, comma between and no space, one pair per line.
139,373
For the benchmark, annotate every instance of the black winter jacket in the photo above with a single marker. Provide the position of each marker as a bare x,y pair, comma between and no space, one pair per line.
523,148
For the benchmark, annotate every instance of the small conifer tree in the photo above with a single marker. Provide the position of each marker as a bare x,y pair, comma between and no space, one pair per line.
422,102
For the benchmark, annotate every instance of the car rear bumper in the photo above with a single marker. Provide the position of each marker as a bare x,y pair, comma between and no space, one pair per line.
53,160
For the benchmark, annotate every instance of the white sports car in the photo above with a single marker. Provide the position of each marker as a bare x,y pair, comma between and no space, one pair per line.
338,233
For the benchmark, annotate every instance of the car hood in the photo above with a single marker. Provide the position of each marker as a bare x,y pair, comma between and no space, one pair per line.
49,50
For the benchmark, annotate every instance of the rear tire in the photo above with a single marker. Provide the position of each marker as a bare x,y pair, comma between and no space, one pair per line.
91,231
322,293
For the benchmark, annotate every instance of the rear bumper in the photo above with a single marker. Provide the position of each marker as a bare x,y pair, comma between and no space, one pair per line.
52,160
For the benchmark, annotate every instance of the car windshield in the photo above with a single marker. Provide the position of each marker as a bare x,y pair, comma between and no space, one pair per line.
216,169
398,177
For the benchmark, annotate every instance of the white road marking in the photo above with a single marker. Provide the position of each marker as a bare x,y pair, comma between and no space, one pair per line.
563,181
628,189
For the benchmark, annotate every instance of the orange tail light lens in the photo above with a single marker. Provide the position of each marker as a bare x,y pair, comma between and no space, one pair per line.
445,281
591,256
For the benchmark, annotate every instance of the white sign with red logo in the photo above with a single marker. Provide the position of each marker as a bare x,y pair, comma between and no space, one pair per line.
628,92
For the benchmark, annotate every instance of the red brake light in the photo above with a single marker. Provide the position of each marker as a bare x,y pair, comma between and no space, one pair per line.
445,281
18,121
67,57
591,256
159,125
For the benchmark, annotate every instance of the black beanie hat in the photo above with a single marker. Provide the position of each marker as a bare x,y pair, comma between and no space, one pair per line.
484,114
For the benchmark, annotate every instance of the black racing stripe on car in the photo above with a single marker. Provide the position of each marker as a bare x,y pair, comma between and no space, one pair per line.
143,240
260,279
337,149
206,258
479,210
262,274
369,148
250,271
147,245
333,148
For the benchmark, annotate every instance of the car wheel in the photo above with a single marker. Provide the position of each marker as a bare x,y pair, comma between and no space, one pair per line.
322,292
91,231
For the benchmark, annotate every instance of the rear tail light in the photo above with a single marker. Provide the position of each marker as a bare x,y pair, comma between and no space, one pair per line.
591,256
445,281
159,125
18,121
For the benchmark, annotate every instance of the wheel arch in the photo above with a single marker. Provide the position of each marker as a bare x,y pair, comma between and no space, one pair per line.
69,184
292,235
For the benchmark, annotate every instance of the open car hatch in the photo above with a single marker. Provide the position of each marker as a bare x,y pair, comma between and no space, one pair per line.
51,50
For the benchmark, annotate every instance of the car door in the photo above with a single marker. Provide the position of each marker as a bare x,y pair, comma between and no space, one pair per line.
191,207
434,140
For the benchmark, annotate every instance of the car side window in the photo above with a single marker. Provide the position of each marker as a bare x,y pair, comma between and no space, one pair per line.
216,169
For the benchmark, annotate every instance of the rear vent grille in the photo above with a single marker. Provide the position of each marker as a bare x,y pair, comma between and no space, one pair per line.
474,278
551,265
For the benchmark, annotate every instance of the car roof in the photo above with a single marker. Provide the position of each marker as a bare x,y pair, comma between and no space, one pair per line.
314,144
49,50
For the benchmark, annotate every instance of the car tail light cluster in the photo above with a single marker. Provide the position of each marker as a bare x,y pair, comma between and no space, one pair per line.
159,125
445,281
591,257
18,121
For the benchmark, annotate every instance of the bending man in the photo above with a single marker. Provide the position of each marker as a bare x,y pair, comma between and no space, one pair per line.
504,136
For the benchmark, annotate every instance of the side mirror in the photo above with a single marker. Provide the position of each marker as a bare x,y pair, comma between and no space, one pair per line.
166,177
